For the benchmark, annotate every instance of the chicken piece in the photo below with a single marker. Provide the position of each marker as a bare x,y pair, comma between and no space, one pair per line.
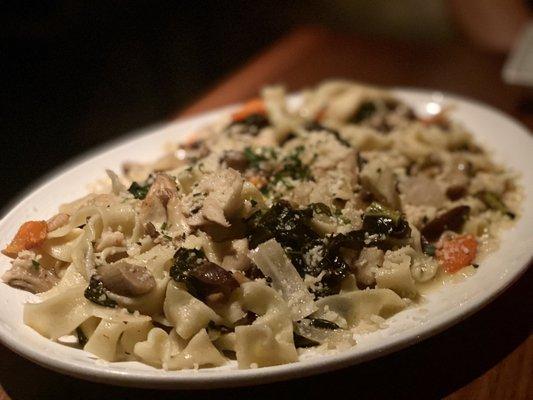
365,267
154,206
126,279
378,179
26,273
222,200
422,191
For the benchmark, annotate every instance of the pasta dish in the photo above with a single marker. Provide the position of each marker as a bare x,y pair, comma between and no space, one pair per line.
284,228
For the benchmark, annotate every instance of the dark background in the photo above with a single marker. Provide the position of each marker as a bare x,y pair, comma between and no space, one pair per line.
76,74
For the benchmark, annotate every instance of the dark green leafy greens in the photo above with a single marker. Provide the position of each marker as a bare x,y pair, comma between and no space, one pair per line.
139,191
494,202
379,219
365,111
292,229
97,293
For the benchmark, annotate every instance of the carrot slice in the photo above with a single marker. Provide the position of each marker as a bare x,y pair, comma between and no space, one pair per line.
31,234
254,106
457,253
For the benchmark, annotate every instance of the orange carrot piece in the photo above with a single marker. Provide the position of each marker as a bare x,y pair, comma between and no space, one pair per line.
457,253
254,106
31,234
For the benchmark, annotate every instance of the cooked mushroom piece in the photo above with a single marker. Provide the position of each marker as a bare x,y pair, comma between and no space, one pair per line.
208,278
451,220
235,159
126,279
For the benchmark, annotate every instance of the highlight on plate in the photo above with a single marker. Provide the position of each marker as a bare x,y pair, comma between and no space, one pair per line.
281,230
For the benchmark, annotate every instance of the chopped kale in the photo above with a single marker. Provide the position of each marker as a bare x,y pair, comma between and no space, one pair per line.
493,201
184,261
379,219
365,111
320,208
292,229
287,225
97,293
139,191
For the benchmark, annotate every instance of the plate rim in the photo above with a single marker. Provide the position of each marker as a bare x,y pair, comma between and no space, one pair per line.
204,379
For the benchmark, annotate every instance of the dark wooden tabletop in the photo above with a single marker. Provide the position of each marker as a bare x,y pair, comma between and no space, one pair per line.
487,356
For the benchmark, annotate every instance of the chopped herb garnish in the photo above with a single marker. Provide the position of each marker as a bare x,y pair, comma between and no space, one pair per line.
293,168
35,264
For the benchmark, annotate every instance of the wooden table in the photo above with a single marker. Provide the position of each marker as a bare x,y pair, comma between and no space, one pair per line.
487,356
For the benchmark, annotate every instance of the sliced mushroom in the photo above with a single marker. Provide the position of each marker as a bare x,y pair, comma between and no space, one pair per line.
149,228
126,279
154,206
209,279
451,220
235,159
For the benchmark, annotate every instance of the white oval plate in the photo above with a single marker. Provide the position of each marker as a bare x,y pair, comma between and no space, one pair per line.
510,142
